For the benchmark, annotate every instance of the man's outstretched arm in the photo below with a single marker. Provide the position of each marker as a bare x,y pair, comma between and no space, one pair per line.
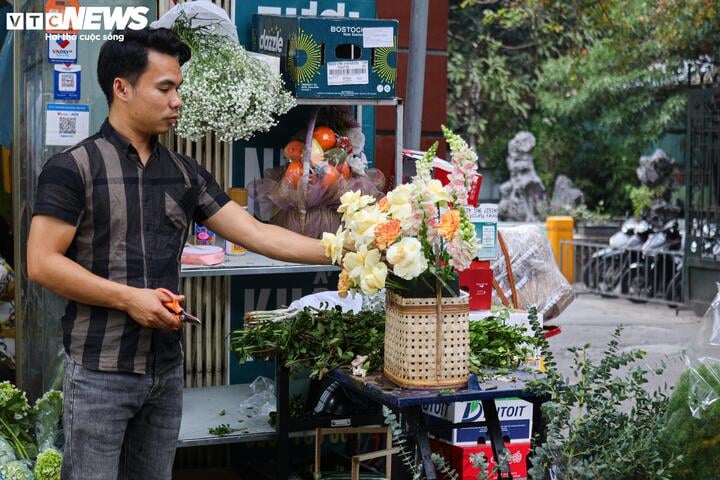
235,224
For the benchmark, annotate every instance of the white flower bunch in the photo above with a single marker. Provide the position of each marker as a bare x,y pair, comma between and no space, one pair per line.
225,90
417,228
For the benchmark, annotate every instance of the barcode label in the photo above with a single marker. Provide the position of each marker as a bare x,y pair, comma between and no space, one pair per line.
67,82
348,73
68,125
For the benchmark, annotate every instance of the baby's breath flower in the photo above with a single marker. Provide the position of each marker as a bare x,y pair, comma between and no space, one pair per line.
225,90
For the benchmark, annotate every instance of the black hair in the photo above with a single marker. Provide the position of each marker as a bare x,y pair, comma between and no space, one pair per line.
128,58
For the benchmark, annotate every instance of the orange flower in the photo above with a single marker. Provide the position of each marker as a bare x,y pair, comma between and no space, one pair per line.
384,205
386,233
343,284
449,223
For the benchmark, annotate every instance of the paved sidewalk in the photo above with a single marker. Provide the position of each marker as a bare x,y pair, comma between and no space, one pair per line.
657,329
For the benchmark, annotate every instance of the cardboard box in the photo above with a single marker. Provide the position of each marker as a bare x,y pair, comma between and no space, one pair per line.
459,458
335,57
515,420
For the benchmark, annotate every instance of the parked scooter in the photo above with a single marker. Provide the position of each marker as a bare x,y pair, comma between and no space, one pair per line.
607,266
656,272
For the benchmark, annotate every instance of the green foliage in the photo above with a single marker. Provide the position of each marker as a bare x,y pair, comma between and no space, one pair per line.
579,213
494,344
601,423
221,430
48,465
7,452
320,339
48,419
596,82
697,440
16,421
406,454
642,198
24,431
444,468
16,470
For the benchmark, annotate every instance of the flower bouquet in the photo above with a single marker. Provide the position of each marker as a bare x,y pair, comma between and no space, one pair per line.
414,241
225,90
324,161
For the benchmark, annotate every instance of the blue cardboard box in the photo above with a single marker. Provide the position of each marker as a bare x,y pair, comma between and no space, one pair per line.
515,417
331,57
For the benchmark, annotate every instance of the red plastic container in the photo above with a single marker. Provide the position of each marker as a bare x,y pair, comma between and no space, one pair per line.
477,280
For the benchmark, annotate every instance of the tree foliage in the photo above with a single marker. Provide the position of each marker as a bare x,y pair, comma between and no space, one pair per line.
597,82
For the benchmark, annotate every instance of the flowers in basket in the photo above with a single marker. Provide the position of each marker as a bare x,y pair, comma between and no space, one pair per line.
413,239
225,90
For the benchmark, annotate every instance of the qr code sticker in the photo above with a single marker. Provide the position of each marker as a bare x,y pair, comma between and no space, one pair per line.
68,125
67,82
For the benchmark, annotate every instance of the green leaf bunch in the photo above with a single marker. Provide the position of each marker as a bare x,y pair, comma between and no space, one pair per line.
16,421
406,453
601,422
319,339
48,465
697,440
495,344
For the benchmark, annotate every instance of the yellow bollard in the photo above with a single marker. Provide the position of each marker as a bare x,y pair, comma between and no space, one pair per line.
558,230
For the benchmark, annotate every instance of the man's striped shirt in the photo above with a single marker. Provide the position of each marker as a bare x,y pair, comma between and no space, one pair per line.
132,222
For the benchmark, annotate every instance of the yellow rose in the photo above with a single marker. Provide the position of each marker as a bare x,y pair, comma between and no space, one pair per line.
400,195
333,245
435,192
364,222
351,202
407,258
373,278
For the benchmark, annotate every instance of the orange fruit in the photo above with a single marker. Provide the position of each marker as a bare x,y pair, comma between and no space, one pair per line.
293,173
325,137
293,150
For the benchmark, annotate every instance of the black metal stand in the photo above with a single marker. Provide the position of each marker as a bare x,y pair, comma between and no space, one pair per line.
285,424
282,386
496,440
416,427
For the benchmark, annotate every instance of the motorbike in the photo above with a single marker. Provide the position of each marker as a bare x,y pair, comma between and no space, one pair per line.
656,273
607,266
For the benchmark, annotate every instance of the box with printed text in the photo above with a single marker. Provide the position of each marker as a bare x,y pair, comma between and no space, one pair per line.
515,417
459,458
331,57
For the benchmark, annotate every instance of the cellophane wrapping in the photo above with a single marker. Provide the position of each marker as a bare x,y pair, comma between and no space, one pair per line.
538,279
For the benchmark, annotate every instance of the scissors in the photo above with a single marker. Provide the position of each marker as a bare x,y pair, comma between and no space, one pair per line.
174,306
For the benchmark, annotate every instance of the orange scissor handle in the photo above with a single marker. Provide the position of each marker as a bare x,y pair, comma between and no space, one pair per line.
174,304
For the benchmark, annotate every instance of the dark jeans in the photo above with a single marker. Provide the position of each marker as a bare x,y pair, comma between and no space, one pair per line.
120,425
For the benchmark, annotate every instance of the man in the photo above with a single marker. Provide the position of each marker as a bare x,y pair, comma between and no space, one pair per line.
108,229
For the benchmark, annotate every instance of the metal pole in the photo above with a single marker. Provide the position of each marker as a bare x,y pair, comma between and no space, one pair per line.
399,170
416,73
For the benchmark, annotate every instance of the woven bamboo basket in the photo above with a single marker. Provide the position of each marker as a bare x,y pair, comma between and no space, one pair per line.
426,346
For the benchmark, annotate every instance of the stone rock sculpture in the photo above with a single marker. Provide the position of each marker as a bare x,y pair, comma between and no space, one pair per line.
523,197
565,193
655,171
